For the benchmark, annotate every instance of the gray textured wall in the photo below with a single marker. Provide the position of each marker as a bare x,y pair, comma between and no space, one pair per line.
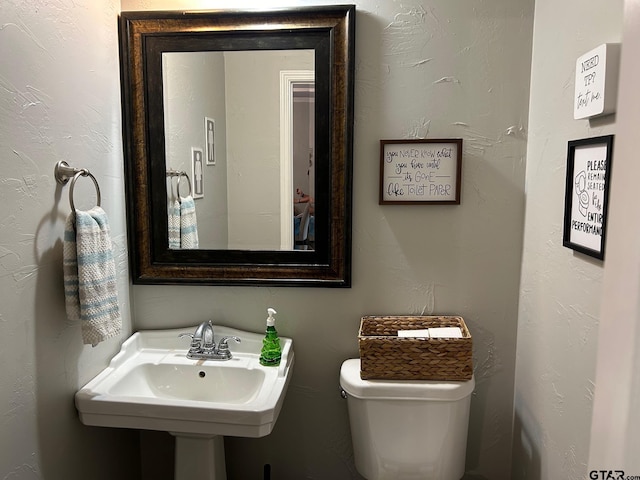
560,290
59,100
436,69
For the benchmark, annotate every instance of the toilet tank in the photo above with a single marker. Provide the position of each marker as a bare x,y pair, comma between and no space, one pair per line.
407,430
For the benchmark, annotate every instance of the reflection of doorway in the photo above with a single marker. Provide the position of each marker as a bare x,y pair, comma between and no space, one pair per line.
303,164
303,137
297,141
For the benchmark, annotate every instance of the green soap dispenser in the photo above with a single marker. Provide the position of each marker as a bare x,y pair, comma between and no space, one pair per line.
271,349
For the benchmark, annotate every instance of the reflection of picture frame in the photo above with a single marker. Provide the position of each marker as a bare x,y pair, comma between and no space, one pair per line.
420,171
197,172
209,140
587,195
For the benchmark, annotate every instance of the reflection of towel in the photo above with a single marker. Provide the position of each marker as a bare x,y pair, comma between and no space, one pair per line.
188,223
90,276
174,225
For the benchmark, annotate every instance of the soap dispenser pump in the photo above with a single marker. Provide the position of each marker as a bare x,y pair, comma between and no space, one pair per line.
271,349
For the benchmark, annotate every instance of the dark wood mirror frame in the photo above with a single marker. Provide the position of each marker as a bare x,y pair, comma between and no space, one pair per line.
329,31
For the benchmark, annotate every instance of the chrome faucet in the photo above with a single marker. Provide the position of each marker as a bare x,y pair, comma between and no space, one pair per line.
203,345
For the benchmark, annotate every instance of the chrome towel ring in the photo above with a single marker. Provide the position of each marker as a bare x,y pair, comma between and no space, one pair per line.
63,172
171,173
183,174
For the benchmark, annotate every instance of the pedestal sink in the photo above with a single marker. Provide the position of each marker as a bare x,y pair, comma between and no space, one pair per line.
151,384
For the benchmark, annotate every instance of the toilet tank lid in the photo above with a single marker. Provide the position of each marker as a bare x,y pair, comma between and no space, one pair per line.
446,391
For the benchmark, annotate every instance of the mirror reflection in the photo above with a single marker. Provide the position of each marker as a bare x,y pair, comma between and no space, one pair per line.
231,124
240,149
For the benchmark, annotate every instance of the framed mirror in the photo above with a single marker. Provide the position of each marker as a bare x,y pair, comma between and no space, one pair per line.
238,141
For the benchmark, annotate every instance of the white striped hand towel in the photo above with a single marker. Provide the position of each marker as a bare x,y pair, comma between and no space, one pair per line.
174,225
188,223
90,276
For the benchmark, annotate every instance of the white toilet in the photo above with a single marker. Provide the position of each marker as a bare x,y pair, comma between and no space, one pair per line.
407,430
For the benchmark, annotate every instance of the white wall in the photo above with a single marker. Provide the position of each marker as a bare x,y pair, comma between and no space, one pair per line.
433,69
59,100
560,290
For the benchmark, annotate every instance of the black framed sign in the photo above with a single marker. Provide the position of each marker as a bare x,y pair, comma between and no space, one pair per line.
587,195
420,171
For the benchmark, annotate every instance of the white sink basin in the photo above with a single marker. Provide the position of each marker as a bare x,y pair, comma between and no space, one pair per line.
206,383
151,384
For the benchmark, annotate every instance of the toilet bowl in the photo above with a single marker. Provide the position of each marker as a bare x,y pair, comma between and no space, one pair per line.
407,430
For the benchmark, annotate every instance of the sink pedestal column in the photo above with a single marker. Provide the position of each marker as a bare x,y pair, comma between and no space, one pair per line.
199,457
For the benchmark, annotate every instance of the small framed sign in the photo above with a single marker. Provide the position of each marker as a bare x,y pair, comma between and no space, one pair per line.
587,195
197,172
420,171
209,134
596,85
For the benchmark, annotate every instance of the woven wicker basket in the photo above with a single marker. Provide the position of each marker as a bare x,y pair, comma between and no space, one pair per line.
384,355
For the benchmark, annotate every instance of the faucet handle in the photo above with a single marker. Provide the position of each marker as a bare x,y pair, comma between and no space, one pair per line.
223,345
224,340
195,343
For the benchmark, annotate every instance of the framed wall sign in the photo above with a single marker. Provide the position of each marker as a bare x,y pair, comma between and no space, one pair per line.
197,172
209,133
587,195
420,171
